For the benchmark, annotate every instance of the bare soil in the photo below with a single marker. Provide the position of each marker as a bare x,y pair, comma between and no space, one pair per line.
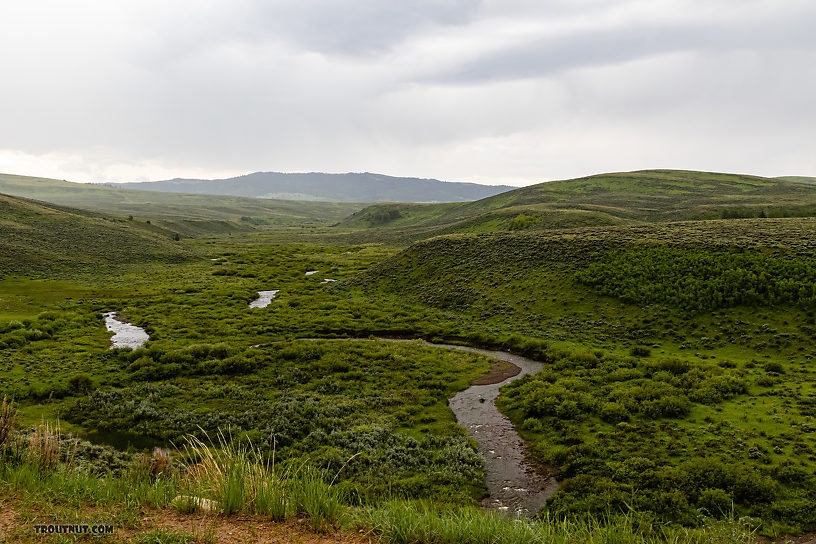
499,371
201,528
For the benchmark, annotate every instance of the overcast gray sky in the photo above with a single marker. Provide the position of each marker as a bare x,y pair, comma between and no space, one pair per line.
493,91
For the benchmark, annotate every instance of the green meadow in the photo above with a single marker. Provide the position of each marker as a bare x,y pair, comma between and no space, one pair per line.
675,313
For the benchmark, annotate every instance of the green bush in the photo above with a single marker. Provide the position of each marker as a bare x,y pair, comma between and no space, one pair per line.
717,502
613,412
640,351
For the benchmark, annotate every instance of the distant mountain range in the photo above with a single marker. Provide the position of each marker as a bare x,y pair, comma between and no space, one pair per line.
352,187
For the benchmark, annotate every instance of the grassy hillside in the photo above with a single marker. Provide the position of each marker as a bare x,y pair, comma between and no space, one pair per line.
186,214
605,199
37,238
682,375
798,179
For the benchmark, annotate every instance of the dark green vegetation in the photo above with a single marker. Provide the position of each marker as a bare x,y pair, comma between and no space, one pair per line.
705,280
679,387
49,472
376,411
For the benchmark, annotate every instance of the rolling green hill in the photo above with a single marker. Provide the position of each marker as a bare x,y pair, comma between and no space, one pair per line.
798,179
37,238
605,199
187,214
458,271
680,356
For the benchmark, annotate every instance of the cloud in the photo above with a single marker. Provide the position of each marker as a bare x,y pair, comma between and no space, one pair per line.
365,27
490,90
610,39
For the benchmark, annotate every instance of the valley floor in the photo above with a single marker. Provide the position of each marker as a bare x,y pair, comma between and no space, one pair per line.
679,380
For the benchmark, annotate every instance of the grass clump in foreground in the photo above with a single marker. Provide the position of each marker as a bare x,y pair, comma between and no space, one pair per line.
235,477
231,477
404,522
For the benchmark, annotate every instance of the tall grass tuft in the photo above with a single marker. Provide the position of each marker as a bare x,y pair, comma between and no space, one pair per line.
7,413
317,499
274,491
224,472
404,522
236,476
153,467
44,446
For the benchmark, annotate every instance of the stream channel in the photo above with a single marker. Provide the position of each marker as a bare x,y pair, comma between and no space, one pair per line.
512,482
125,335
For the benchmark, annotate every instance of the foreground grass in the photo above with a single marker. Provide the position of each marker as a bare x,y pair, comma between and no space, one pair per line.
231,478
404,522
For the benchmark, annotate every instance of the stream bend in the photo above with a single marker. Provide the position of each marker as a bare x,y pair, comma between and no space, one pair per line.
512,482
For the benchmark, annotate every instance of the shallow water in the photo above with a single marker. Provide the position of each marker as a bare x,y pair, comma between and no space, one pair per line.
125,334
512,482
264,299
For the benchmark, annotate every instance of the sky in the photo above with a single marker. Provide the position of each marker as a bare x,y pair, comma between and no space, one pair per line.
489,91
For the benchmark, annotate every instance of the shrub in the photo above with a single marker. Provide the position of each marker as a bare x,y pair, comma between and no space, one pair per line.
773,366
765,381
521,221
673,366
716,501
640,351
613,412
80,384
668,406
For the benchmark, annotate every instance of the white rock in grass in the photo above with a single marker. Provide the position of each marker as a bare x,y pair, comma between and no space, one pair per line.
190,502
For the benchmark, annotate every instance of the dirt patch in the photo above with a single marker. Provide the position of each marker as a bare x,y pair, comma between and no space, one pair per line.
199,528
499,371
8,517
241,529
804,539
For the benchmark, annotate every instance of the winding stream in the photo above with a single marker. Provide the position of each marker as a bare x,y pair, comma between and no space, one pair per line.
512,482
264,299
125,335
